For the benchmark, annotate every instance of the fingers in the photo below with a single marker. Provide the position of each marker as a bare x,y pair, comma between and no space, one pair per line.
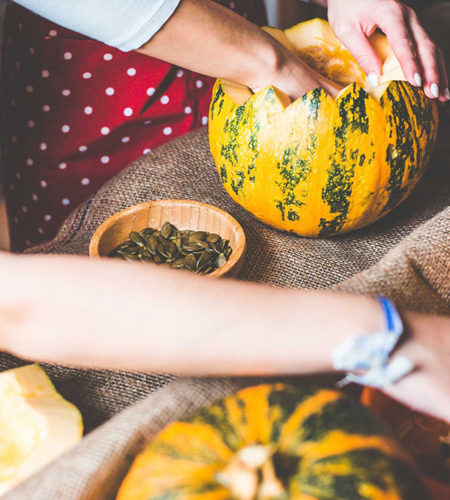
358,44
431,61
395,24
421,61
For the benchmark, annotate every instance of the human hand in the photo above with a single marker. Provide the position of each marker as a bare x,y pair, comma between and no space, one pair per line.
422,62
295,78
427,388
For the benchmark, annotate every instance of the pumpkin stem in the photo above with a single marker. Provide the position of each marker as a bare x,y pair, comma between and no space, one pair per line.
251,474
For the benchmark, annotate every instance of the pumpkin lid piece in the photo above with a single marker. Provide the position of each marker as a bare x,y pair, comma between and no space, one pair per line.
274,442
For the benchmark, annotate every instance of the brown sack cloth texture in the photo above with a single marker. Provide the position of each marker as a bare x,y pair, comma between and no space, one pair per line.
405,256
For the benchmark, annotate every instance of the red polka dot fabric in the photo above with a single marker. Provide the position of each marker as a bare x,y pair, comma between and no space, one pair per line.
76,112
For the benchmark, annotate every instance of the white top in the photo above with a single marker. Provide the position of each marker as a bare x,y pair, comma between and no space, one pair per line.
125,24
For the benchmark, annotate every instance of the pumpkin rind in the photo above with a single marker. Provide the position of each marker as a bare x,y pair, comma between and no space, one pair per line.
327,448
321,166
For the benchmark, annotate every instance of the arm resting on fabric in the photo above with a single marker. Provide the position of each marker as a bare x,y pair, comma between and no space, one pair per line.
119,315
106,314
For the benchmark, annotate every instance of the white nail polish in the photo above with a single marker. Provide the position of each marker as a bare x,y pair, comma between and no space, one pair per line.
434,89
373,79
418,79
447,94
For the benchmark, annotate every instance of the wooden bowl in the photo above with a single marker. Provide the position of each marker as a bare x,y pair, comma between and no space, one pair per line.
184,214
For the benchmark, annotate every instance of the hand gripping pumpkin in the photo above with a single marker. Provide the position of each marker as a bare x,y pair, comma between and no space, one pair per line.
274,442
321,166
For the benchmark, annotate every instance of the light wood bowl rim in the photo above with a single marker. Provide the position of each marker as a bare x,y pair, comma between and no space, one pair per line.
235,258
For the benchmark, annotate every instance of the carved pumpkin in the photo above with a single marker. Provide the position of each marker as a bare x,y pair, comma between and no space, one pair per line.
321,166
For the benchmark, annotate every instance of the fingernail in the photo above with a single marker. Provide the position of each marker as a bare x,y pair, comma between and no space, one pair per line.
447,94
417,79
373,79
434,89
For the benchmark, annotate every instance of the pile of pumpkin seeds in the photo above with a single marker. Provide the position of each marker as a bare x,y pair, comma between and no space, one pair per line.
197,251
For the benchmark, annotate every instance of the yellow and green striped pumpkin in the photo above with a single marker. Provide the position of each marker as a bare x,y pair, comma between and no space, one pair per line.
321,166
274,441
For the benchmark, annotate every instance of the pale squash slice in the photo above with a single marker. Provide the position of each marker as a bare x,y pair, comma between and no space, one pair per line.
36,424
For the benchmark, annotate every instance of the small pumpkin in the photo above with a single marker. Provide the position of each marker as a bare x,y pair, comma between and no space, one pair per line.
274,441
321,166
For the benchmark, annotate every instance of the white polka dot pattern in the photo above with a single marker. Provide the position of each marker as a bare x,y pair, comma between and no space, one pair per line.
89,112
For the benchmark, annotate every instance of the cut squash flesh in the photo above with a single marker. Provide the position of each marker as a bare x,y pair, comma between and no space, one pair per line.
316,44
36,424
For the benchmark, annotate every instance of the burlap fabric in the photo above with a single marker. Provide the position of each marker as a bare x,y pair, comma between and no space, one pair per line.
406,256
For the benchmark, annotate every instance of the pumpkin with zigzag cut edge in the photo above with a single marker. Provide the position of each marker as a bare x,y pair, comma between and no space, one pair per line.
274,442
320,166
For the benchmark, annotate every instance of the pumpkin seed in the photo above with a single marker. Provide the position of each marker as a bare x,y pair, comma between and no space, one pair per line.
124,246
171,248
190,261
178,264
203,244
158,259
130,251
162,250
203,259
197,251
197,236
221,259
132,258
147,232
152,244
193,246
213,238
166,230
137,238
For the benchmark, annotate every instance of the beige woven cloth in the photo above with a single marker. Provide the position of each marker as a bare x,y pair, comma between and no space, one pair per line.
406,256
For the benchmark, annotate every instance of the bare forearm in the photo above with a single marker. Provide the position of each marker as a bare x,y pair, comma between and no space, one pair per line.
210,39
143,318
205,37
